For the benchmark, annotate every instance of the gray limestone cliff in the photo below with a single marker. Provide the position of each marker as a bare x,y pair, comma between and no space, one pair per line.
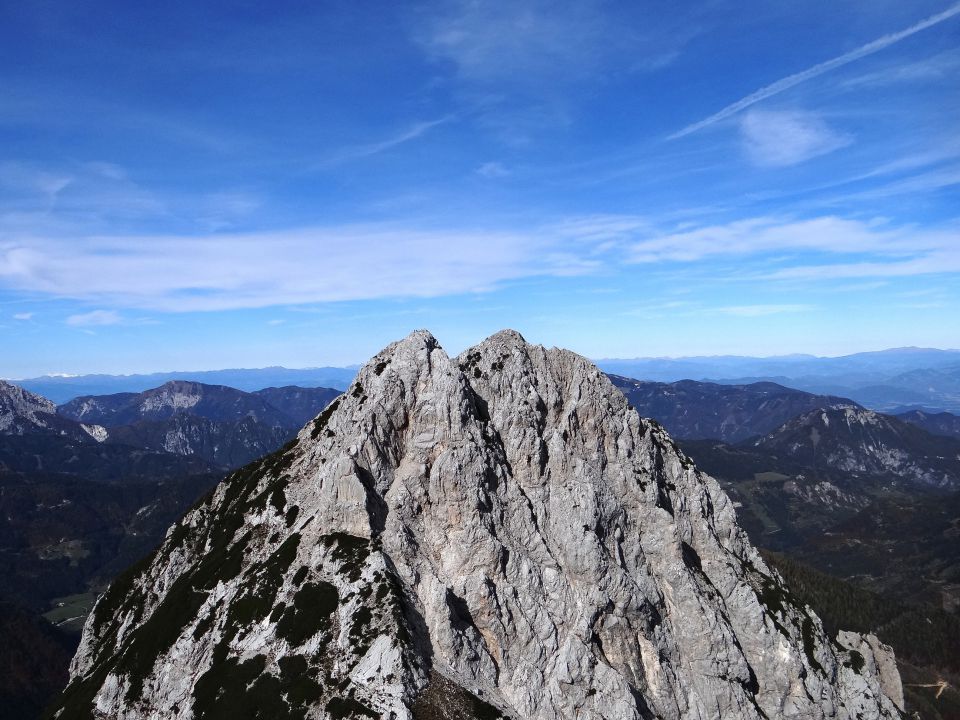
492,535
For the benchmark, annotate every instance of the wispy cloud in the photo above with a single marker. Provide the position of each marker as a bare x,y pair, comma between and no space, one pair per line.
934,263
493,170
779,138
358,152
23,178
377,261
832,235
222,210
946,150
825,248
225,271
23,316
751,311
793,80
95,317
687,308
41,194
522,42
608,229
942,66
922,183
65,105
538,48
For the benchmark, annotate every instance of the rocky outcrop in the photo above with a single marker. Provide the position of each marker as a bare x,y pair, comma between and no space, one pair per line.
21,411
497,534
869,657
24,414
856,441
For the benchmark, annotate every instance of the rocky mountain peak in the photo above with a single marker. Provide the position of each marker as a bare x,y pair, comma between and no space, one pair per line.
22,410
25,414
492,535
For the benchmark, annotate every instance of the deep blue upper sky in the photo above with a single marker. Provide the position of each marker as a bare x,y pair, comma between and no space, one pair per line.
191,185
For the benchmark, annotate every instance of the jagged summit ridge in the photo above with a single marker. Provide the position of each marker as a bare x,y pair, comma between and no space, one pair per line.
498,532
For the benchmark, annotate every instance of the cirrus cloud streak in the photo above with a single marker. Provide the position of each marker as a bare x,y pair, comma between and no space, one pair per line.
231,271
828,234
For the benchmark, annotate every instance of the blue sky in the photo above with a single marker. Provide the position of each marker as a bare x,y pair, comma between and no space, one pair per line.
193,185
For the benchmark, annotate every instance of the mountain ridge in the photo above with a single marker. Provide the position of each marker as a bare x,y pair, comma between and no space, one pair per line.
213,402
695,410
63,388
223,425
936,423
857,440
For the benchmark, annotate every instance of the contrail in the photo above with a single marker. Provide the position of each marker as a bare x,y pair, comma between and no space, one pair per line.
791,80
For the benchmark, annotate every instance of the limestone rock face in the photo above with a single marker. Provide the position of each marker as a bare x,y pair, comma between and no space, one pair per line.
496,534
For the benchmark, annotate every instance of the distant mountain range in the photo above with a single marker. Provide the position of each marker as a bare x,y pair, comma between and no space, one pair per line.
696,410
888,380
89,487
177,429
61,388
858,367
